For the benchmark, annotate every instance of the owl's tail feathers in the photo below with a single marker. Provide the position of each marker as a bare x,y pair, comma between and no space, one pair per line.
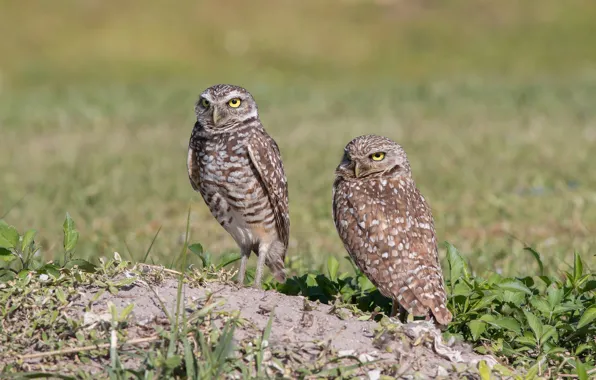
280,275
420,302
435,305
275,261
436,302
278,270
443,316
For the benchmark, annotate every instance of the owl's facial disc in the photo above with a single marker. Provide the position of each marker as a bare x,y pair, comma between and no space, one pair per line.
372,156
222,107
369,165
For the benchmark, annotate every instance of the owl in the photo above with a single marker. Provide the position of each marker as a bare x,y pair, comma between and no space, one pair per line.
237,168
387,227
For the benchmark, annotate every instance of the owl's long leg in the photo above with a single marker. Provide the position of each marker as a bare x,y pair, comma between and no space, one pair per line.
263,252
394,308
245,254
399,311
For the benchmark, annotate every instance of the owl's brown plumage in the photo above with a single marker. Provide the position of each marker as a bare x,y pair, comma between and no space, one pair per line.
237,168
387,227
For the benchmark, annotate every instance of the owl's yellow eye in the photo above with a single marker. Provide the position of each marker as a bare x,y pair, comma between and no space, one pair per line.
205,103
377,156
234,103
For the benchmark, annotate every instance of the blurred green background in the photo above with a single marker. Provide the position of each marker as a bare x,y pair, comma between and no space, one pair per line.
494,102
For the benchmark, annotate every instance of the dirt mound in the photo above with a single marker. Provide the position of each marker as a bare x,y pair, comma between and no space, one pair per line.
121,317
301,331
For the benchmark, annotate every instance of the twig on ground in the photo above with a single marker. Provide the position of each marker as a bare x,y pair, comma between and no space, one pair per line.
86,348
158,267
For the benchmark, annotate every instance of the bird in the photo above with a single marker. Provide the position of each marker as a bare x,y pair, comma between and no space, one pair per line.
237,168
387,227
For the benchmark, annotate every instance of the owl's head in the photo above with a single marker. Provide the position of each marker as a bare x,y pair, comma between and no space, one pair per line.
373,156
224,107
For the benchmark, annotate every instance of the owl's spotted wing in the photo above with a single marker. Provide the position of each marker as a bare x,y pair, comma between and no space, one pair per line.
266,158
420,286
429,282
387,228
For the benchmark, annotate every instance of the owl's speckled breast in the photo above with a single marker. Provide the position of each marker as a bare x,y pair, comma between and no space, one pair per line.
230,188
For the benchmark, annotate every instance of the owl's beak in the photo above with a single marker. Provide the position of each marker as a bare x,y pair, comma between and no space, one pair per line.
356,170
216,116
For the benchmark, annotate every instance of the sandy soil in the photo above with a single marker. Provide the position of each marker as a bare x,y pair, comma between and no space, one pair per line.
300,328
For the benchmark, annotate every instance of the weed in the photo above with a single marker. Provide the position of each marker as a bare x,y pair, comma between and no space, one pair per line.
539,320
23,250
540,324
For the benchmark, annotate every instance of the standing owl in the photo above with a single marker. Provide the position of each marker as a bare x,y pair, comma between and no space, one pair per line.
387,226
237,168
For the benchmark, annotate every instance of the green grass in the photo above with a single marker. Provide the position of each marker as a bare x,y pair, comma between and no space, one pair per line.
492,102
536,325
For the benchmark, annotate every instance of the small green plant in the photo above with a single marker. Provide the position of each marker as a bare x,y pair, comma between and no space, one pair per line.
213,358
207,259
20,254
534,321
329,286
19,248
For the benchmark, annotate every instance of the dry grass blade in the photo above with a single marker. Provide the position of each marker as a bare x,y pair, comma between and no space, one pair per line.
74,350
160,268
